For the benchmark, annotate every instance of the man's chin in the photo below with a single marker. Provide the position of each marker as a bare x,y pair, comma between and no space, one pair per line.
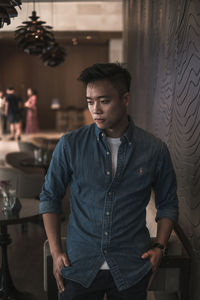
101,124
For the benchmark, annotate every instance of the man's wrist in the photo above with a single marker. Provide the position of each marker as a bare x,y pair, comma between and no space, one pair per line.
160,246
56,252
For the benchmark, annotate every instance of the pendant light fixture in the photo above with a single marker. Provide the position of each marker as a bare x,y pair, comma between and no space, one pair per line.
53,55
7,11
34,37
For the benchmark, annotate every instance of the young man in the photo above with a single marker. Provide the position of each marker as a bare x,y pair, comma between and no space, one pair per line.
111,167
13,111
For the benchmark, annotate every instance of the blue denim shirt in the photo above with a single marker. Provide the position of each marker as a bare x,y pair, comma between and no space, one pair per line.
108,215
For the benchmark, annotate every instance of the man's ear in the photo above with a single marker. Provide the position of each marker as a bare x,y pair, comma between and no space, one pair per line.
126,98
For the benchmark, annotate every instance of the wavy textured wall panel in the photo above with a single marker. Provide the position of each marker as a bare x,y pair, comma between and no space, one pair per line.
162,46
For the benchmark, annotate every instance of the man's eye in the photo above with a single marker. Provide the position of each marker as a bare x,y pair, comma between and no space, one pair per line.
105,101
89,102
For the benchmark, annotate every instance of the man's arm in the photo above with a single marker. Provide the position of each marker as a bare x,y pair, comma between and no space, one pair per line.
6,108
166,201
164,229
60,259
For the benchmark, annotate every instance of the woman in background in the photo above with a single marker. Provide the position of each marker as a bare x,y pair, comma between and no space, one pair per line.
31,114
3,117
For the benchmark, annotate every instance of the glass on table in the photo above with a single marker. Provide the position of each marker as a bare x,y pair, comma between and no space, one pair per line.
9,200
38,156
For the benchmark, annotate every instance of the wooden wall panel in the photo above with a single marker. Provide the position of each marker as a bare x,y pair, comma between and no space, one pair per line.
162,40
22,71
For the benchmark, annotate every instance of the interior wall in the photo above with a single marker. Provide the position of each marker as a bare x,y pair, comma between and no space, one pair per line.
72,16
162,51
22,71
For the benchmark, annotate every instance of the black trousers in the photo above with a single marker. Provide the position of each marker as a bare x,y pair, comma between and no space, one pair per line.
102,284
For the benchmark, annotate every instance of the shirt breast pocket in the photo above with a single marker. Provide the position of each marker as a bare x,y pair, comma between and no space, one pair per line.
141,179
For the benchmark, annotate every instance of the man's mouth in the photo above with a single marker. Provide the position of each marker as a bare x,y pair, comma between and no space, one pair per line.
99,120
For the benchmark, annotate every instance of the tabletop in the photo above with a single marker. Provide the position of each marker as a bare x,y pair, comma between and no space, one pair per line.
28,212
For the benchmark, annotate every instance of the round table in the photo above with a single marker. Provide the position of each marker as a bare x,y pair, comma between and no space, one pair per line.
28,212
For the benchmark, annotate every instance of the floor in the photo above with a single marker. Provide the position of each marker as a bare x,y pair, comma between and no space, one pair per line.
25,253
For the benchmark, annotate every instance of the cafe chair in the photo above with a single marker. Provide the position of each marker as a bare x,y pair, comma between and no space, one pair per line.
14,159
31,185
44,143
31,179
26,146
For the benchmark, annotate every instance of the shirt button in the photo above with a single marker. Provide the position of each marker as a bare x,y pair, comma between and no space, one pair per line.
102,134
108,172
107,213
130,143
108,153
106,233
105,251
110,193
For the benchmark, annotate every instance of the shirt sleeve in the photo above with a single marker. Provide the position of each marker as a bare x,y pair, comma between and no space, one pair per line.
165,187
56,180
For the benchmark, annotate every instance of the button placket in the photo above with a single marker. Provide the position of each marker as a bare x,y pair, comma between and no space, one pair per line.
107,221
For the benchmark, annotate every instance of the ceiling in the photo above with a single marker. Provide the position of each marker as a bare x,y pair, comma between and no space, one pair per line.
31,1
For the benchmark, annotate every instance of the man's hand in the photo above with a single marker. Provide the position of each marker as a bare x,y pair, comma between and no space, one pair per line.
60,260
155,256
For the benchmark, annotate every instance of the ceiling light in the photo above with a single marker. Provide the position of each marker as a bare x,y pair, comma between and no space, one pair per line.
53,55
7,10
34,37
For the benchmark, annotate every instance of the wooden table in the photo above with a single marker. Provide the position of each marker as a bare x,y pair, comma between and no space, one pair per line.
28,212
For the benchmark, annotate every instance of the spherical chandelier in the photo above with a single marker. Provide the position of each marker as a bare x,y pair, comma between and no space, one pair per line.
34,37
53,55
7,10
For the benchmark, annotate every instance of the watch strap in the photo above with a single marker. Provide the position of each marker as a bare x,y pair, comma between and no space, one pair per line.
160,246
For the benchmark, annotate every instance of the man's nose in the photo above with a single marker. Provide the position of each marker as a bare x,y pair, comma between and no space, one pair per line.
97,107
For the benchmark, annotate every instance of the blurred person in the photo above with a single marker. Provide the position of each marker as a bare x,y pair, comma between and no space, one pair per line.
31,114
13,111
3,118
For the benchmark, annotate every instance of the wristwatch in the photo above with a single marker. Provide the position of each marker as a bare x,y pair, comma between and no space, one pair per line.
162,247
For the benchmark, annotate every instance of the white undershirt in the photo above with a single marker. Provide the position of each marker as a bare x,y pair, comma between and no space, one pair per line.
114,144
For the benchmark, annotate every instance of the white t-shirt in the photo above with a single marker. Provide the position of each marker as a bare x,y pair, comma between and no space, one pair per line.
114,144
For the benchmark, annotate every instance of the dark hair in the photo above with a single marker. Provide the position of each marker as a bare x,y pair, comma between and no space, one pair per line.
11,88
34,91
118,76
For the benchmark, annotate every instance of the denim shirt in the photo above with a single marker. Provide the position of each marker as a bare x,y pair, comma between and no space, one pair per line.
108,215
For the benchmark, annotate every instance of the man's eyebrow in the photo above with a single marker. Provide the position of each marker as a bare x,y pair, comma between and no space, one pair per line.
98,97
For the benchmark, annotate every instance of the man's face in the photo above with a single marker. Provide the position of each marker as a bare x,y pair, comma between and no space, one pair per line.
108,109
9,92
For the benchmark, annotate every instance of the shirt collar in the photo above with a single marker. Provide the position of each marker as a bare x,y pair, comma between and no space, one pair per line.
128,134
